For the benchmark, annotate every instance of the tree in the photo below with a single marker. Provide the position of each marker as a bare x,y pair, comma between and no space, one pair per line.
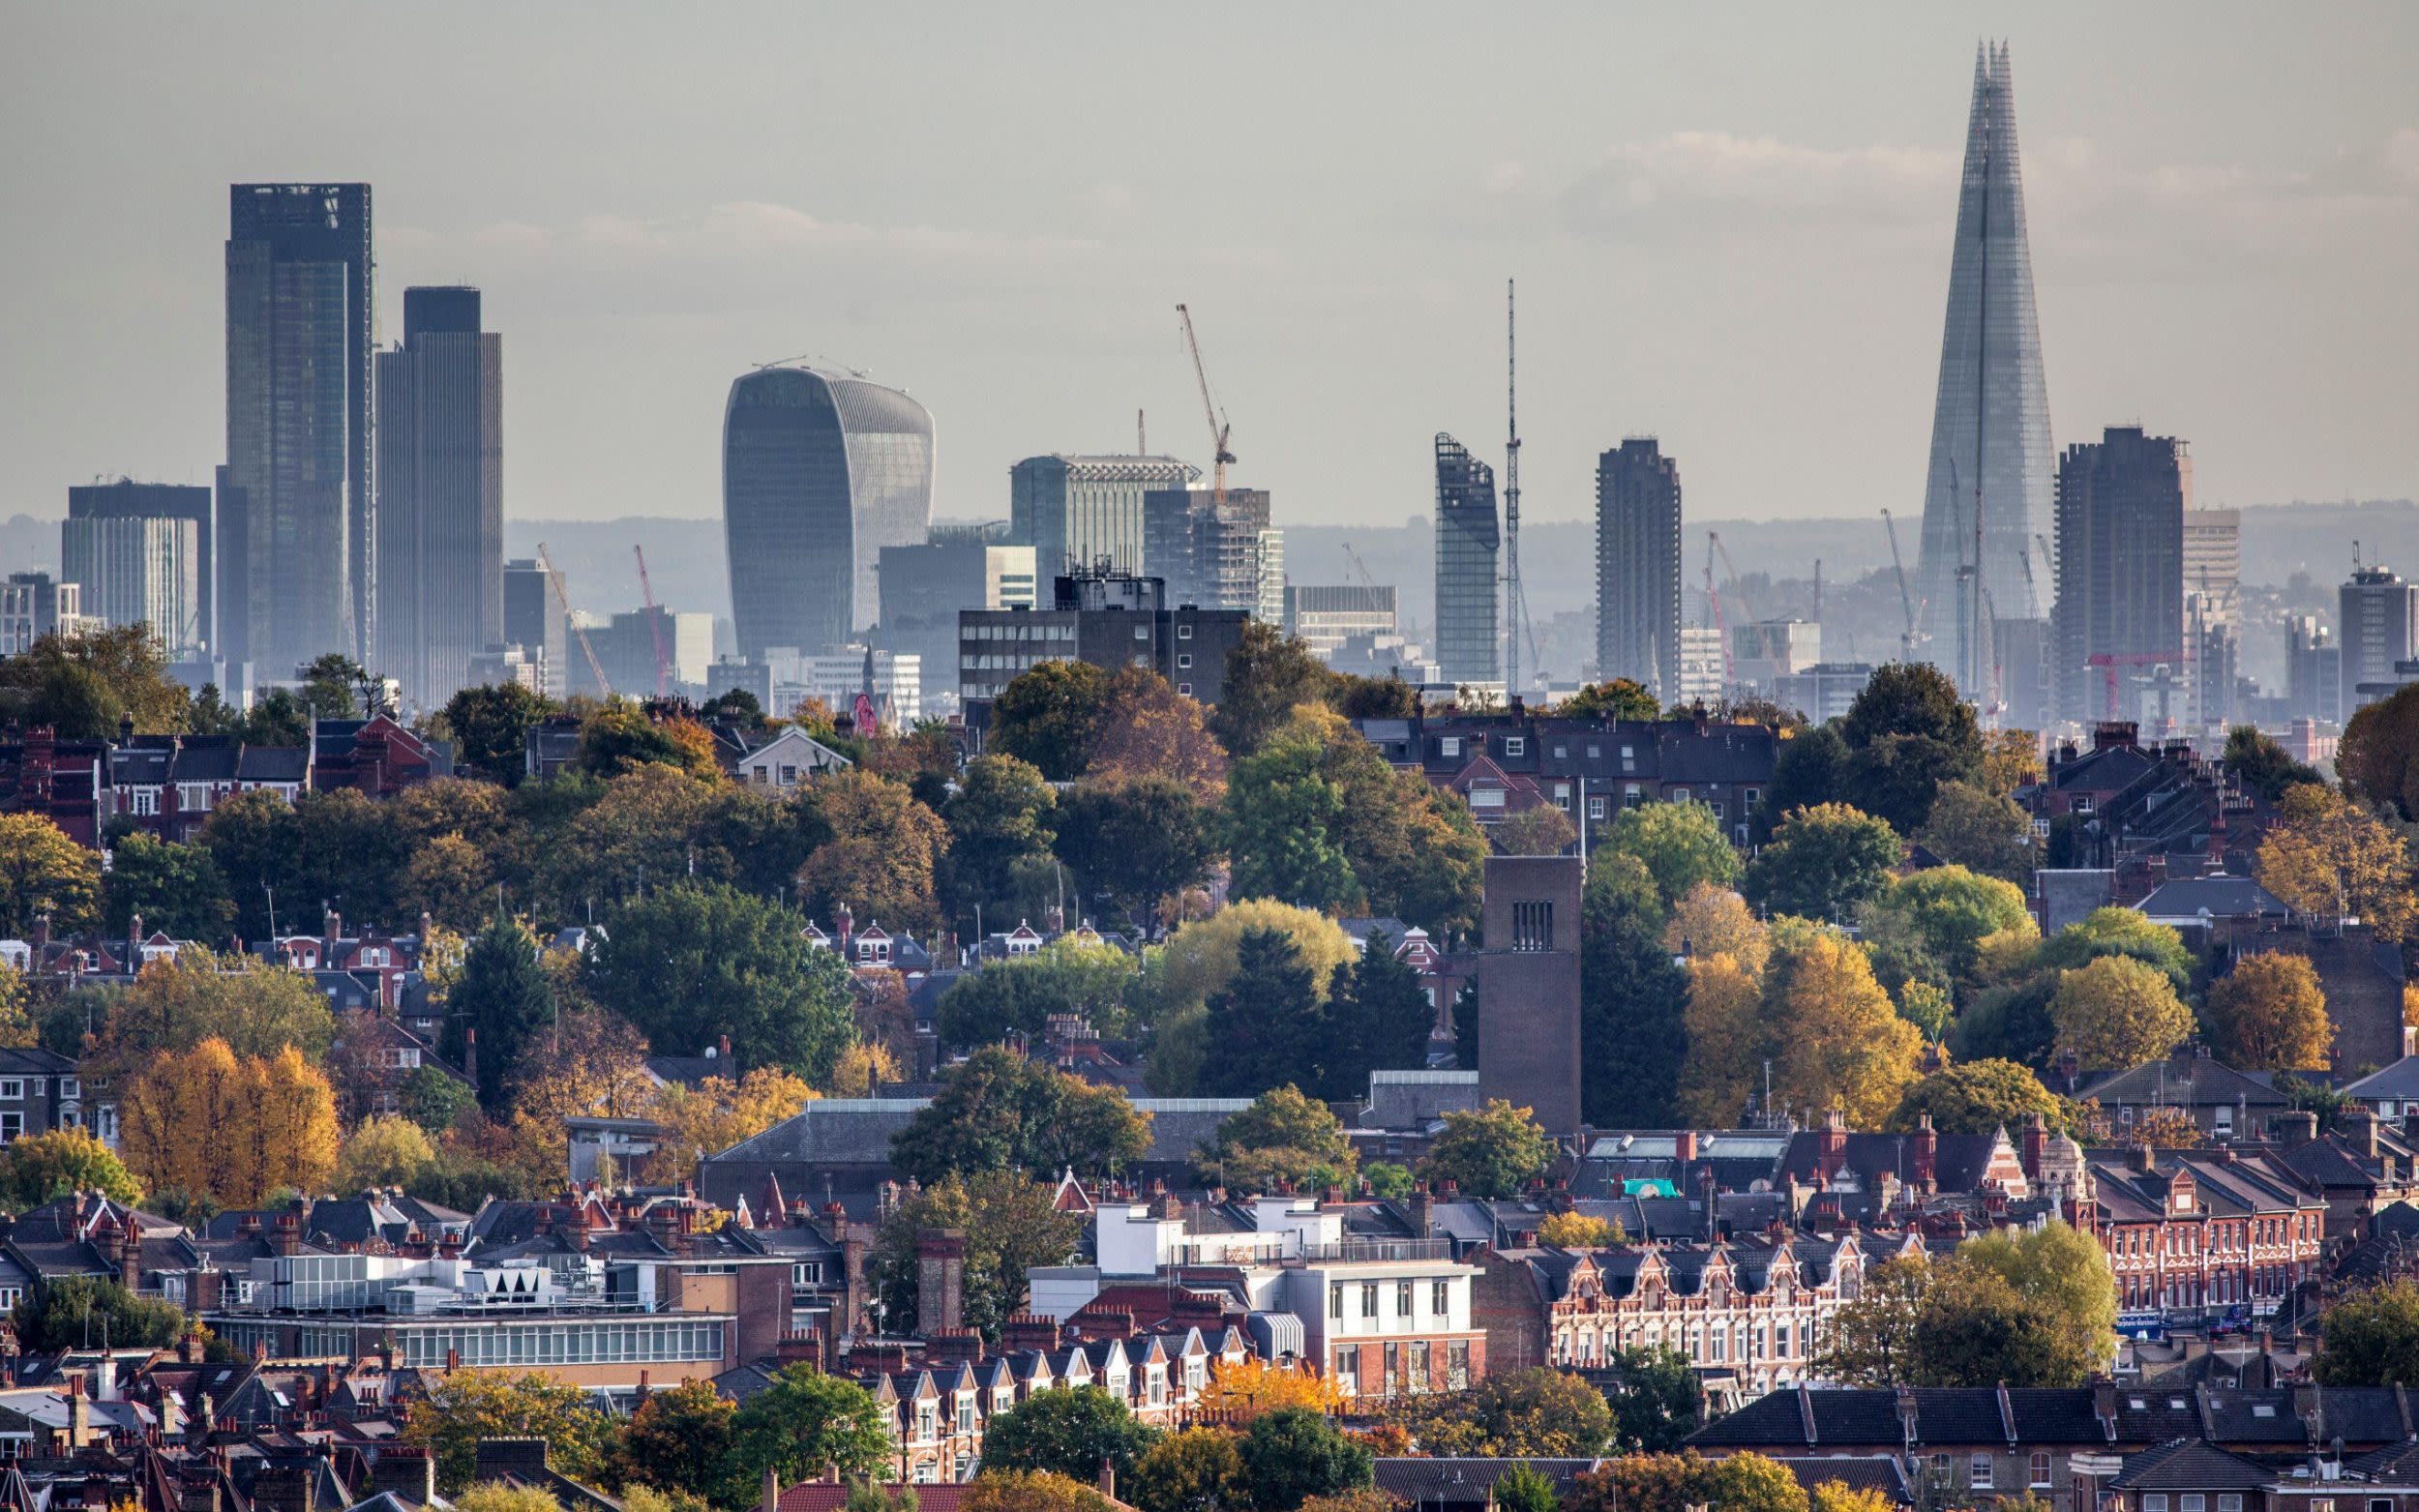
1489,1154
1973,1328
1985,831
1294,1454
257,1009
1022,994
1282,813
1284,1137
201,1121
883,854
1659,1402
1682,845
1147,729
171,887
2067,1272
1579,1231
1542,830
386,1150
1630,998
1070,1432
999,824
619,735
45,874
1194,1469
435,1100
2378,756
1265,1022
1907,734
1620,698
1751,1483
496,1496
1725,1039
2269,1014
80,1312
1247,1388
2037,1308
1944,913
719,1112
1976,1097
1833,1037
680,1440
1203,955
804,1422
866,1497
2010,759
689,964
2369,1338
1048,716
2117,1011
2265,767
1538,1412
1715,921
461,1408
1415,852
1524,1487
1837,1495
36,1168
505,996
1822,862
491,727
2327,855
83,685
1806,774
1269,674
1031,1491
999,1111
2117,931
1136,839
1871,1340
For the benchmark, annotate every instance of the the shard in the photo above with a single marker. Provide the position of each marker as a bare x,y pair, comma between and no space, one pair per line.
1990,426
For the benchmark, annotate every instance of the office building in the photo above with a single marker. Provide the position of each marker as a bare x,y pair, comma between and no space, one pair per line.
1763,651
1991,443
923,587
139,571
2119,613
1823,690
297,547
626,645
1087,513
1322,617
1469,535
1637,567
126,499
440,481
894,679
533,620
2313,673
1529,987
2376,622
1111,620
821,470
2213,562
32,605
1271,609
495,666
1701,667
1212,554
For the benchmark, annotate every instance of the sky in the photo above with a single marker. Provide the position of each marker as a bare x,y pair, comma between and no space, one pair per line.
1730,227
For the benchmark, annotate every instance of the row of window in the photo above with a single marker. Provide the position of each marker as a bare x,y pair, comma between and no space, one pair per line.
16,1089
1440,1298
1021,630
564,1342
1406,1367
1702,1344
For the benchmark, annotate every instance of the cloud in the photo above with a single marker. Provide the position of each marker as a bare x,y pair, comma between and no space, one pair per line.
1686,183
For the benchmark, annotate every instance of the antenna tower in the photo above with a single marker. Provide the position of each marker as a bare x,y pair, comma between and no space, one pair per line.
1512,617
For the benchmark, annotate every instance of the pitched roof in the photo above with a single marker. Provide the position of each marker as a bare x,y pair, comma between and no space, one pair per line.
2191,1465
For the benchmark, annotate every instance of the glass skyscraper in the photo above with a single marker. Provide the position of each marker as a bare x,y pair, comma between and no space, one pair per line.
1637,567
1991,422
1082,512
821,471
1469,616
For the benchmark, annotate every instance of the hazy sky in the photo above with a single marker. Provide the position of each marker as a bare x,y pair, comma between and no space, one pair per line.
1730,226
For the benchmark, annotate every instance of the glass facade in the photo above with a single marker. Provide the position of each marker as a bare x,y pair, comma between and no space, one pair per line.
1991,422
1469,622
821,471
1076,512
1637,567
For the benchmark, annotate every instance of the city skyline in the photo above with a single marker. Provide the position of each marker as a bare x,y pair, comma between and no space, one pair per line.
1030,314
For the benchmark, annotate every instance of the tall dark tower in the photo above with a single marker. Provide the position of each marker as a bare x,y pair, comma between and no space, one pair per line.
1469,631
1637,567
2119,615
298,559
440,496
1988,492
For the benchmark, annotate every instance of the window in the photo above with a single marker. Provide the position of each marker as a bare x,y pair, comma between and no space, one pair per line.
2082,805
1596,807
1183,658
1369,1299
146,801
2040,1468
2196,1501
1680,795
1748,799
2229,1502
966,1415
1418,1379
1978,1471
13,1089
1335,1301
1717,810
1448,745
1515,745
1456,1364
1441,1297
1348,1371
11,1124
2154,1501
1187,689
1142,632
807,1273
1183,632
1393,1368
1533,925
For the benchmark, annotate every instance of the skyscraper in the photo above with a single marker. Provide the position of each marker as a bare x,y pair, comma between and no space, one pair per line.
126,499
1210,554
298,550
534,622
2120,604
2377,621
1080,511
821,470
440,496
138,571
1468,615
1637,567
1991,422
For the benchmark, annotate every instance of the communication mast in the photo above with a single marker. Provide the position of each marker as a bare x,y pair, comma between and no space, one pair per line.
1513,617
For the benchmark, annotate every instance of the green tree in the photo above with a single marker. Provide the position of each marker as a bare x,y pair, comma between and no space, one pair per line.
999,1111
1136,839
45,873
2117,1011
36,1168
2066,1272
1193,1469
2270,1014
1871,1340
463,1408
1631,999
1619,698
1907,734
619,735
333,685
2117,931
504,994
1682,845
2378,757
1281,815
1542,830
81,1312
1973,827
1266,1022
1659,1404
1976,1097
1944,913
383,1150
1203,955
1022,994
2265,767
1001,829
258,1009
2371,1338
680,1440
1294,1454
1269,674
1378,1018
1493,1153
1047,715
83,686
1524,1487
1806,774
172,887
491,727
435,1100
1822,862
1283,1136
689,964
1011,1224
883,856
804,1422
1068,1431
1538,1412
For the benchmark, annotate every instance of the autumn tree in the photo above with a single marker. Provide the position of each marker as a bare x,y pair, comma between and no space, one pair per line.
717,1114
1540,830
1048,717
385,1151
999,1111
1251,1387
45,874
461,1408
1031,1491
679,1439
2118,1012
587,1062
2010,759
1489,1154
1976,1097
1269,675
1283,1136
83,685
1938,919
2378,756
35,1169
1832,1033
1726,1033
2270,1014
1147,729
1681,843
255,1008
1539,1412
202,1121
1715,921
1579,1231
1822,862
1203,955
2327,855
1193,1469
1871,1340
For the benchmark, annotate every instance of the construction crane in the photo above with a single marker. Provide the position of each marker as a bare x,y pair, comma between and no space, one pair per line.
1738,587
654,626
562,599
1897,564
1219,428
1713,597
